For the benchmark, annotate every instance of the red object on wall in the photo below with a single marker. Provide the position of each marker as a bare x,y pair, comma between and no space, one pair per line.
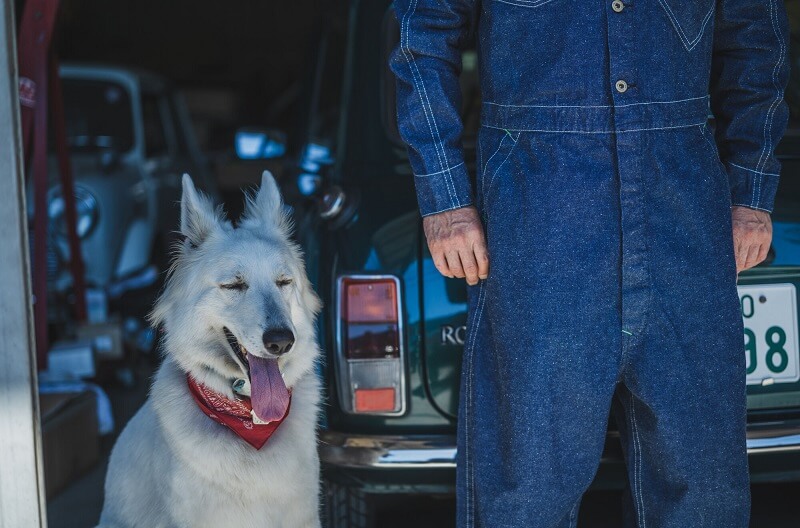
38,74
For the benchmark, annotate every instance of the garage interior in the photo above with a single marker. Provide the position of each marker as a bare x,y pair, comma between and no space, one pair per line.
238,65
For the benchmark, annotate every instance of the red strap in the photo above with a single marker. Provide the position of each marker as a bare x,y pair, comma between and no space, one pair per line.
36,31
35,35
234,414
67,186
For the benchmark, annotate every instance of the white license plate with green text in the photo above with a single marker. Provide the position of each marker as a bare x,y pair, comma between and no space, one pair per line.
770,333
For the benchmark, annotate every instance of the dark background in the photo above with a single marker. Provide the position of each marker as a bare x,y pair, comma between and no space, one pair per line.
239,63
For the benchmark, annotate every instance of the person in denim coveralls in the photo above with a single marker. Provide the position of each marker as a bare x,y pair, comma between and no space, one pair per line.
616,218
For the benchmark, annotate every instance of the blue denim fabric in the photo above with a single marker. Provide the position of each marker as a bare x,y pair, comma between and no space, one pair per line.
607,215
552,66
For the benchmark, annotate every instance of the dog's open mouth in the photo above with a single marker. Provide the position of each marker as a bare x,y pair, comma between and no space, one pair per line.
269,395
238,350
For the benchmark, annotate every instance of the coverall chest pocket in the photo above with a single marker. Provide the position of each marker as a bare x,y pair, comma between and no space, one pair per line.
689,19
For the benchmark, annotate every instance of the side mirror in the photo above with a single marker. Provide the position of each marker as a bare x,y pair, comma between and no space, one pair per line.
259,143
110,160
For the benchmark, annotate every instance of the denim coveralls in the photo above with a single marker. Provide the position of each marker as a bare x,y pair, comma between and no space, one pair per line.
606,199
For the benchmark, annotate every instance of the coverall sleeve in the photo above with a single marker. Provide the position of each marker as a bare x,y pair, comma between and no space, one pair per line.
750,70
427,65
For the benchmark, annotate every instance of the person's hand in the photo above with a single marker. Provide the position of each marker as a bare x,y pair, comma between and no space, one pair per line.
752,236
457,244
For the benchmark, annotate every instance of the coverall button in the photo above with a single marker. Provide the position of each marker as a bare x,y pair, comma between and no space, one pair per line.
617,6
621,86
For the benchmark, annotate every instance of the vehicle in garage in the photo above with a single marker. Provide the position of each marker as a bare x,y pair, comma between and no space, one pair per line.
130,140
393,328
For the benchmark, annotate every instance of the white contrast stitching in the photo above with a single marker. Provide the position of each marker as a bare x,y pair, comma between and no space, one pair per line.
522,3
468,357
439,172
712,144
598,106
637,473
754,171
774,84
633,447
470,480
409,55
491,181
448,173
483,172
448,208
689,45
595,131
751,207
773,107
573,515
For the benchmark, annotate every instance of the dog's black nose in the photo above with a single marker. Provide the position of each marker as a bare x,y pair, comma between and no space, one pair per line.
278,342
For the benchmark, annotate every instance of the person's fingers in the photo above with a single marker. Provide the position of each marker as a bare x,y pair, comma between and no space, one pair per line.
762,253
741,255
454,263
752,256
440,262
482,258
469,265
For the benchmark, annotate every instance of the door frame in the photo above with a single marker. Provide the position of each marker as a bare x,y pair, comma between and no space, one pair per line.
22,497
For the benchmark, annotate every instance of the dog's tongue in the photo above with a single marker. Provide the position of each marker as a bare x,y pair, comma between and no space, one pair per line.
268,393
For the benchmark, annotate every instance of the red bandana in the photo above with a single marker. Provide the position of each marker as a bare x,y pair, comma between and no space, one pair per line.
236,415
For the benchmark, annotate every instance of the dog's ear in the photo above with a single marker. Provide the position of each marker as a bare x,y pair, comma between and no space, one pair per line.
198,219
267,204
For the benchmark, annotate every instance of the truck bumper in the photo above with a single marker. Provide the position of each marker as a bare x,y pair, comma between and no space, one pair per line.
773,450
387,452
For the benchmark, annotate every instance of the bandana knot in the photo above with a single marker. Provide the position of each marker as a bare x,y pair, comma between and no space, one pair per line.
236,414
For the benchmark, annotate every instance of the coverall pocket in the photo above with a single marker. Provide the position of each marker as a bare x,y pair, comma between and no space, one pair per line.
722,189
710,145
689,19
525,3
496,147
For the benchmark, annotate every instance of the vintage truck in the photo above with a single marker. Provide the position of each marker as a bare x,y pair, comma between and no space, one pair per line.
130,139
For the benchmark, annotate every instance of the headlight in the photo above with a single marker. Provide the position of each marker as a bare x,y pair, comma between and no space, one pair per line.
85,209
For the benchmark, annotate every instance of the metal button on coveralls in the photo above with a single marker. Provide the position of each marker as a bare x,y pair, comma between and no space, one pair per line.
606,199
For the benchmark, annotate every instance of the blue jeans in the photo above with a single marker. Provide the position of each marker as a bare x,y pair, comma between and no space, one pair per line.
624,287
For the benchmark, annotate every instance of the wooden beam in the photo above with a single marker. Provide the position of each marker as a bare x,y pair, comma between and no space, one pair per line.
22,501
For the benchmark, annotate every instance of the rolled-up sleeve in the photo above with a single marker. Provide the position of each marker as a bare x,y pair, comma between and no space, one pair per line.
427,64
750,70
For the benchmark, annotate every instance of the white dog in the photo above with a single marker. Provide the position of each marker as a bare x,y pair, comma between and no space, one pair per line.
238,314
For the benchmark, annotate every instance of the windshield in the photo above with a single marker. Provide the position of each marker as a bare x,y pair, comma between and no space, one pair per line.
98,115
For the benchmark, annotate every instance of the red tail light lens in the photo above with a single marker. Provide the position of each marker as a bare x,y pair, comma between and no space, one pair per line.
369,300
370,312
369,345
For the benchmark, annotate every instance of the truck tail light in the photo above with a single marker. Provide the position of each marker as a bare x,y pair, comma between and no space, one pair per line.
370,345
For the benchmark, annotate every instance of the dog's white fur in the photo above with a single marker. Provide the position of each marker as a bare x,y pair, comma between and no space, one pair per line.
172,465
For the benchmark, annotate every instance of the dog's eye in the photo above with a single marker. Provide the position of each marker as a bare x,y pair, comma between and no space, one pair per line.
238,285
283,281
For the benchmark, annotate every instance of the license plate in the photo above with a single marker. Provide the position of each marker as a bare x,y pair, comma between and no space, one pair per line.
770,333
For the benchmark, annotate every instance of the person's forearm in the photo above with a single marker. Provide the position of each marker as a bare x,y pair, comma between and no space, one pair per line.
750,70
427,64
